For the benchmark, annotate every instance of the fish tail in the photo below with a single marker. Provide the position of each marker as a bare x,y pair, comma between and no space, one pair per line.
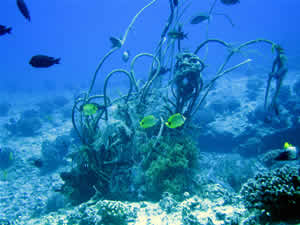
57,61
9,30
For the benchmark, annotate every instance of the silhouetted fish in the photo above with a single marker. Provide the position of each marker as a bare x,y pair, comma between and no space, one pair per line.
116,42
230,2
177,35
43,61
199,18
38,163
23,8
4,30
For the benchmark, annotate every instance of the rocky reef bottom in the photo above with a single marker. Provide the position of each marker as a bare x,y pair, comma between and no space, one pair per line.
215,209
218,208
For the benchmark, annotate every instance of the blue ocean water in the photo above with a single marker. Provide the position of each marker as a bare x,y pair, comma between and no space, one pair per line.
45,165
79,32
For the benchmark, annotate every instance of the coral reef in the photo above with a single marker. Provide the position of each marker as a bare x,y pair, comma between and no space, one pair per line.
191,211
277,192
114,212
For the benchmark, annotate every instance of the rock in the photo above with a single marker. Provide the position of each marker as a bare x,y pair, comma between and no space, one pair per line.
188,218
167,203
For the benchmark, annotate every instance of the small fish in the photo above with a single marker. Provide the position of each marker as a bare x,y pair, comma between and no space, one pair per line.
89,109
38,163
179,35
125,56
287,145
5,30
23,8
148,121
175,120
116,42
43,61
230,2
199,18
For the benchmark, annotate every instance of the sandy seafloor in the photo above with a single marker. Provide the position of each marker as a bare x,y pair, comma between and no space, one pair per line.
25,191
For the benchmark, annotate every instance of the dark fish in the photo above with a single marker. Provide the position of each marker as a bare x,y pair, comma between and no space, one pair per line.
179,35
116,42
4,30
23,8
175,2
38,163
199,18
43,61
230,2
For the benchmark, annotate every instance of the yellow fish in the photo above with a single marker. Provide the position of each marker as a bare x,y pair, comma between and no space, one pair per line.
175,120
287,145
148,121
90,109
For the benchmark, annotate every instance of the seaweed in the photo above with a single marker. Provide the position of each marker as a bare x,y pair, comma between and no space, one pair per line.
168,165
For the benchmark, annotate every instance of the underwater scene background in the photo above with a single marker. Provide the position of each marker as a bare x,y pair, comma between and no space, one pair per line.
149,112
